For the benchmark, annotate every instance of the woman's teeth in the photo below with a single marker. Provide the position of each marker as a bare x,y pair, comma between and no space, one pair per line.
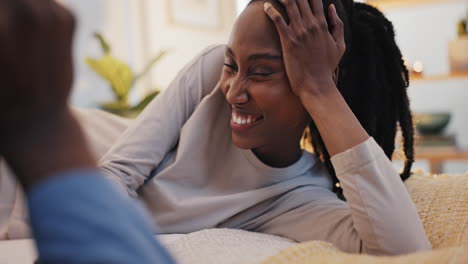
240,120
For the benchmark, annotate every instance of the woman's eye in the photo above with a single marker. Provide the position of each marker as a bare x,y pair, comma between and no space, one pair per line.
263,74
232,67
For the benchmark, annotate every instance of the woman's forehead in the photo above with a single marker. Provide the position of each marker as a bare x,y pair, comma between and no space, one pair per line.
253,31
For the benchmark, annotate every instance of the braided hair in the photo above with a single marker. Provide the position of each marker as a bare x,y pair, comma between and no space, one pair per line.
372,79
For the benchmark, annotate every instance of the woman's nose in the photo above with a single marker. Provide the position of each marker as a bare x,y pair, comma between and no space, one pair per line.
237,92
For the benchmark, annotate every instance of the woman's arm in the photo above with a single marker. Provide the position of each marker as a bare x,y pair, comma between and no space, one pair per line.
383,214
156,131
338,126
381,208
311,55
378,218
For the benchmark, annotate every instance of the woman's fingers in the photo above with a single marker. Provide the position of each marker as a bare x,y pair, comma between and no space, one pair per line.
306,12
317,8
295,18
277,19
337,28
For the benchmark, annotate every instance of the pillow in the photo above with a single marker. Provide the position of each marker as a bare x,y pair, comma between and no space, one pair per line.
8,187
101,130
226,246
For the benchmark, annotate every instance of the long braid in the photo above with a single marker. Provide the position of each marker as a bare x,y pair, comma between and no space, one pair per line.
404,115
373,80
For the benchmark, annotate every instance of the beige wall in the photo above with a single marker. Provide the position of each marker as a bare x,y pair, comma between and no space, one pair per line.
116,19
183,42
137,30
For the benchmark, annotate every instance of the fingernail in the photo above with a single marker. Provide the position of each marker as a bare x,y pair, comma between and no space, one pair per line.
266,6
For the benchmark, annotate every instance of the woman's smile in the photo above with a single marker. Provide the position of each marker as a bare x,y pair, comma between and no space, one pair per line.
241,122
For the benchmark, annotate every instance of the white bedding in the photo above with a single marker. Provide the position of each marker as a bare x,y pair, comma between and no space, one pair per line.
216,246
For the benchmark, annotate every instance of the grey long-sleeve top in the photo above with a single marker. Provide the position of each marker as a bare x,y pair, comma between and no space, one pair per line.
178,157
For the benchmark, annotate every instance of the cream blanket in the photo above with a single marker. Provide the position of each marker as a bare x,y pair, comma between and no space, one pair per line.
442,203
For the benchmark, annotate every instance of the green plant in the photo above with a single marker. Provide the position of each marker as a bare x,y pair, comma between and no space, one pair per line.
121,79
462,27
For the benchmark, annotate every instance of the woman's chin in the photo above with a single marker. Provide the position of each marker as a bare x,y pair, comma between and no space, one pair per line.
242,143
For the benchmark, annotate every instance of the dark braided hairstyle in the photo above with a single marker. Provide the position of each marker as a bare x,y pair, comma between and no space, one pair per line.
372,79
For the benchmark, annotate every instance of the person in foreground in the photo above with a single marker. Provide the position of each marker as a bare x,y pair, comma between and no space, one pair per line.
76,215
221,146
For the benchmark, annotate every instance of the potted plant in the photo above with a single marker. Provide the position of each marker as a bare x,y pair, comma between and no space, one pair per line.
121,79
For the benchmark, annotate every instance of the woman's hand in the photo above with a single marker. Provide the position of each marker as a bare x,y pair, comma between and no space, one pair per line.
311,56
311,53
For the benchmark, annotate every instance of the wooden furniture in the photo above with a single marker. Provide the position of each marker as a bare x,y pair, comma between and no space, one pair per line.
443,77
393,4
436,156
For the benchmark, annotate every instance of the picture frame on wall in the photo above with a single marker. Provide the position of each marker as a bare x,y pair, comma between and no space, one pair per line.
202,14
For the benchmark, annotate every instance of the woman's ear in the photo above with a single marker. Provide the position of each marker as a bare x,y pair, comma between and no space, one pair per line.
335,75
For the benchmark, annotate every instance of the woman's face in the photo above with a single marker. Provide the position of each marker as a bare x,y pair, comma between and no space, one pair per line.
266,114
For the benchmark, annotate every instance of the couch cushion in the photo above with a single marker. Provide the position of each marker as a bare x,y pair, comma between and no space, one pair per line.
321,252
101,129
442,204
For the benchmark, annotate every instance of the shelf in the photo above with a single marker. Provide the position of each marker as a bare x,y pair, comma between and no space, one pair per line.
436,156
440,153
446,77
395,4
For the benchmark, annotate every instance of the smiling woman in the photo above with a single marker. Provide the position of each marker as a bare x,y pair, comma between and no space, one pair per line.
254,82
220,147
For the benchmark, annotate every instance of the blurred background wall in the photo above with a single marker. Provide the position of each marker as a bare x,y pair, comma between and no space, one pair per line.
423,34
138,29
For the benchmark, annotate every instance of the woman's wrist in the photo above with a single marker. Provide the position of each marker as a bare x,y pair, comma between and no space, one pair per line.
337,124
314,93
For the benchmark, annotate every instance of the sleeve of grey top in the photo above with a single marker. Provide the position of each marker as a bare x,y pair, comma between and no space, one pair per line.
383,213
378,217
140,149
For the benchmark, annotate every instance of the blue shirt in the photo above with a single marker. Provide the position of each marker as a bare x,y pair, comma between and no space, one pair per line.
80,218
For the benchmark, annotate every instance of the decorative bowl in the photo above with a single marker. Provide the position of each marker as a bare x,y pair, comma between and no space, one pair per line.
432,123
